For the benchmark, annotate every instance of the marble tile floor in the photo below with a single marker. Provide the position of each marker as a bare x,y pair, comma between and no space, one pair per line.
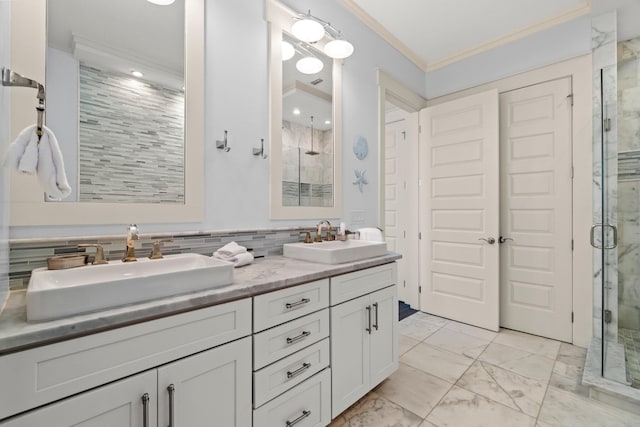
456,375
631,340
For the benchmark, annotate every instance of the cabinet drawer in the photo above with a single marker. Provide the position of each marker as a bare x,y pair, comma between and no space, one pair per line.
353,285
309,403
277,378
277,307
44,374
281,341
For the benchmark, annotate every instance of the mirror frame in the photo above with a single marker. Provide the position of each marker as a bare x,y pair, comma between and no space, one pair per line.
27,205
280,18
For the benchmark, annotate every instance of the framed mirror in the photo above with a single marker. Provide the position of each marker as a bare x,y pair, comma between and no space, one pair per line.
305,126
139,159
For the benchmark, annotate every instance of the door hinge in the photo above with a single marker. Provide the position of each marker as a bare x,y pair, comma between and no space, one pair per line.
572,317
404,135
572,172
404,283
419,128
572,244
419,236
570,98
405,184
404,234
608,316
419,289
606,125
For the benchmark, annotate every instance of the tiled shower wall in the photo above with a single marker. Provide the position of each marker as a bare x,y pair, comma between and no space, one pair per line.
131,139
629,184
29,254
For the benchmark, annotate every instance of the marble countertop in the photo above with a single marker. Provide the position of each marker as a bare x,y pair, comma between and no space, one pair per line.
263,275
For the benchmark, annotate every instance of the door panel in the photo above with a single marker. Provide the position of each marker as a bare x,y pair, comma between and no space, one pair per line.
535,163
459,206
384,357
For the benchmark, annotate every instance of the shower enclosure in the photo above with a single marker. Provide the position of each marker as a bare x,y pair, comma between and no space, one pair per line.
617,231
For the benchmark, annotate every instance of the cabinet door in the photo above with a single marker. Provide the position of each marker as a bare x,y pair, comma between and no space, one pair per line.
349,353
384,334
212,388
118,404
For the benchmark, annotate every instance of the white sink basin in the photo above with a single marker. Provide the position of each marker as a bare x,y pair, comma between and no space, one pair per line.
335,252
54,294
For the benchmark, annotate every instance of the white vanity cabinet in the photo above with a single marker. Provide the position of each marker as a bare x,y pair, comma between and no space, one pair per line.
291,378
201,352
364,333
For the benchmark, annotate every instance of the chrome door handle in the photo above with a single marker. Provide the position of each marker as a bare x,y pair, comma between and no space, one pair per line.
504,239
489,240
592,236
615,236
368,328
171,389
145,410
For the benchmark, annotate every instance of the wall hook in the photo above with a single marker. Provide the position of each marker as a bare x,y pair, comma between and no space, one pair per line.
222,145
260,151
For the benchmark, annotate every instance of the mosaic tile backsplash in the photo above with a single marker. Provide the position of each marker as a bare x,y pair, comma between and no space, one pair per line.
25,255
131,140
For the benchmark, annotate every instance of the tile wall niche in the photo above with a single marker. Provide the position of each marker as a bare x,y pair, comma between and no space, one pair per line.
27,254
629,184
131,139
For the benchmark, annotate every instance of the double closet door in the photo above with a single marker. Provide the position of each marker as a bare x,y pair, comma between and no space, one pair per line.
495,210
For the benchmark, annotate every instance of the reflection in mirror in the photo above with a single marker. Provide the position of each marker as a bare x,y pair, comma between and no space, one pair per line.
307,128
122,135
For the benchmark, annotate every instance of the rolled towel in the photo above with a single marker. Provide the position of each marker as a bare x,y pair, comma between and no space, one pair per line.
238,260
26,155
230,249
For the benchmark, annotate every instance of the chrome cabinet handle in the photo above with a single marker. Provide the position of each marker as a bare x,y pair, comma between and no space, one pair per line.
368,328
615,236
298,371
490,240
171,389
304,415
504,239
297,338
375,325
592,238
291,305
145,410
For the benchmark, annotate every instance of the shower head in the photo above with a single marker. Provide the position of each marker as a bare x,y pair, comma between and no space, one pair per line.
311,153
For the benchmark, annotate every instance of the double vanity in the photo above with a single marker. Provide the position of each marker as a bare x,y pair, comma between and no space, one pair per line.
288,342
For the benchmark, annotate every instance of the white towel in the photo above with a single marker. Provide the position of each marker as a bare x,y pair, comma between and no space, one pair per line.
45,159
230,249
238,260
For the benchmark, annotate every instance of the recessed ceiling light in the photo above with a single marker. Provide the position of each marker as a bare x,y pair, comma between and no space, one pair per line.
161,2
327,122
136,73
296,111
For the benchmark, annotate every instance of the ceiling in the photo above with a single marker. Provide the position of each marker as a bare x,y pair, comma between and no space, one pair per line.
435,33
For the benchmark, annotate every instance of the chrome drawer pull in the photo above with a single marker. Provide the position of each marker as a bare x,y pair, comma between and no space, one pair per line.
368,328
145,410
375,325
171,389
303,301
304,415
300,337
298,371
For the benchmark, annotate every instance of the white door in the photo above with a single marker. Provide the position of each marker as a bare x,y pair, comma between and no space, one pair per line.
536,192
459,206
210,388
401,200
118,404
384,334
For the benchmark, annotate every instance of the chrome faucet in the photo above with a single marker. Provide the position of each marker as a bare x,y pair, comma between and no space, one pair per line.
132,234
322,223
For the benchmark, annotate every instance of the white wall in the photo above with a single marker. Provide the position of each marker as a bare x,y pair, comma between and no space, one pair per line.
547,47
5,129
236,183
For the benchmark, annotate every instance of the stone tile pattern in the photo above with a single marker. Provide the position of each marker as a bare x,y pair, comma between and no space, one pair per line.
452,374
631,340
131,140
629,184
29,254
306,180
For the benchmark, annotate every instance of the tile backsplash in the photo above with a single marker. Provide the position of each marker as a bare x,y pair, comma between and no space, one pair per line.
27,254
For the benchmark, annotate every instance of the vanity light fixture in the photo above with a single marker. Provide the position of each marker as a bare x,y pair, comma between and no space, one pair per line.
327,122
287,50
309,65
136,73
296,111
310,29
161,2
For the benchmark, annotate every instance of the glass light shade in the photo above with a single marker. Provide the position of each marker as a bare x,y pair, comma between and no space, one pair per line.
287,51
338,49
309,65
308,30
161,2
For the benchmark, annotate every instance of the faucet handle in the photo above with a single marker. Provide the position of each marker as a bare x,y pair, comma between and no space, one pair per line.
307,236
99,257
330,237
156,253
